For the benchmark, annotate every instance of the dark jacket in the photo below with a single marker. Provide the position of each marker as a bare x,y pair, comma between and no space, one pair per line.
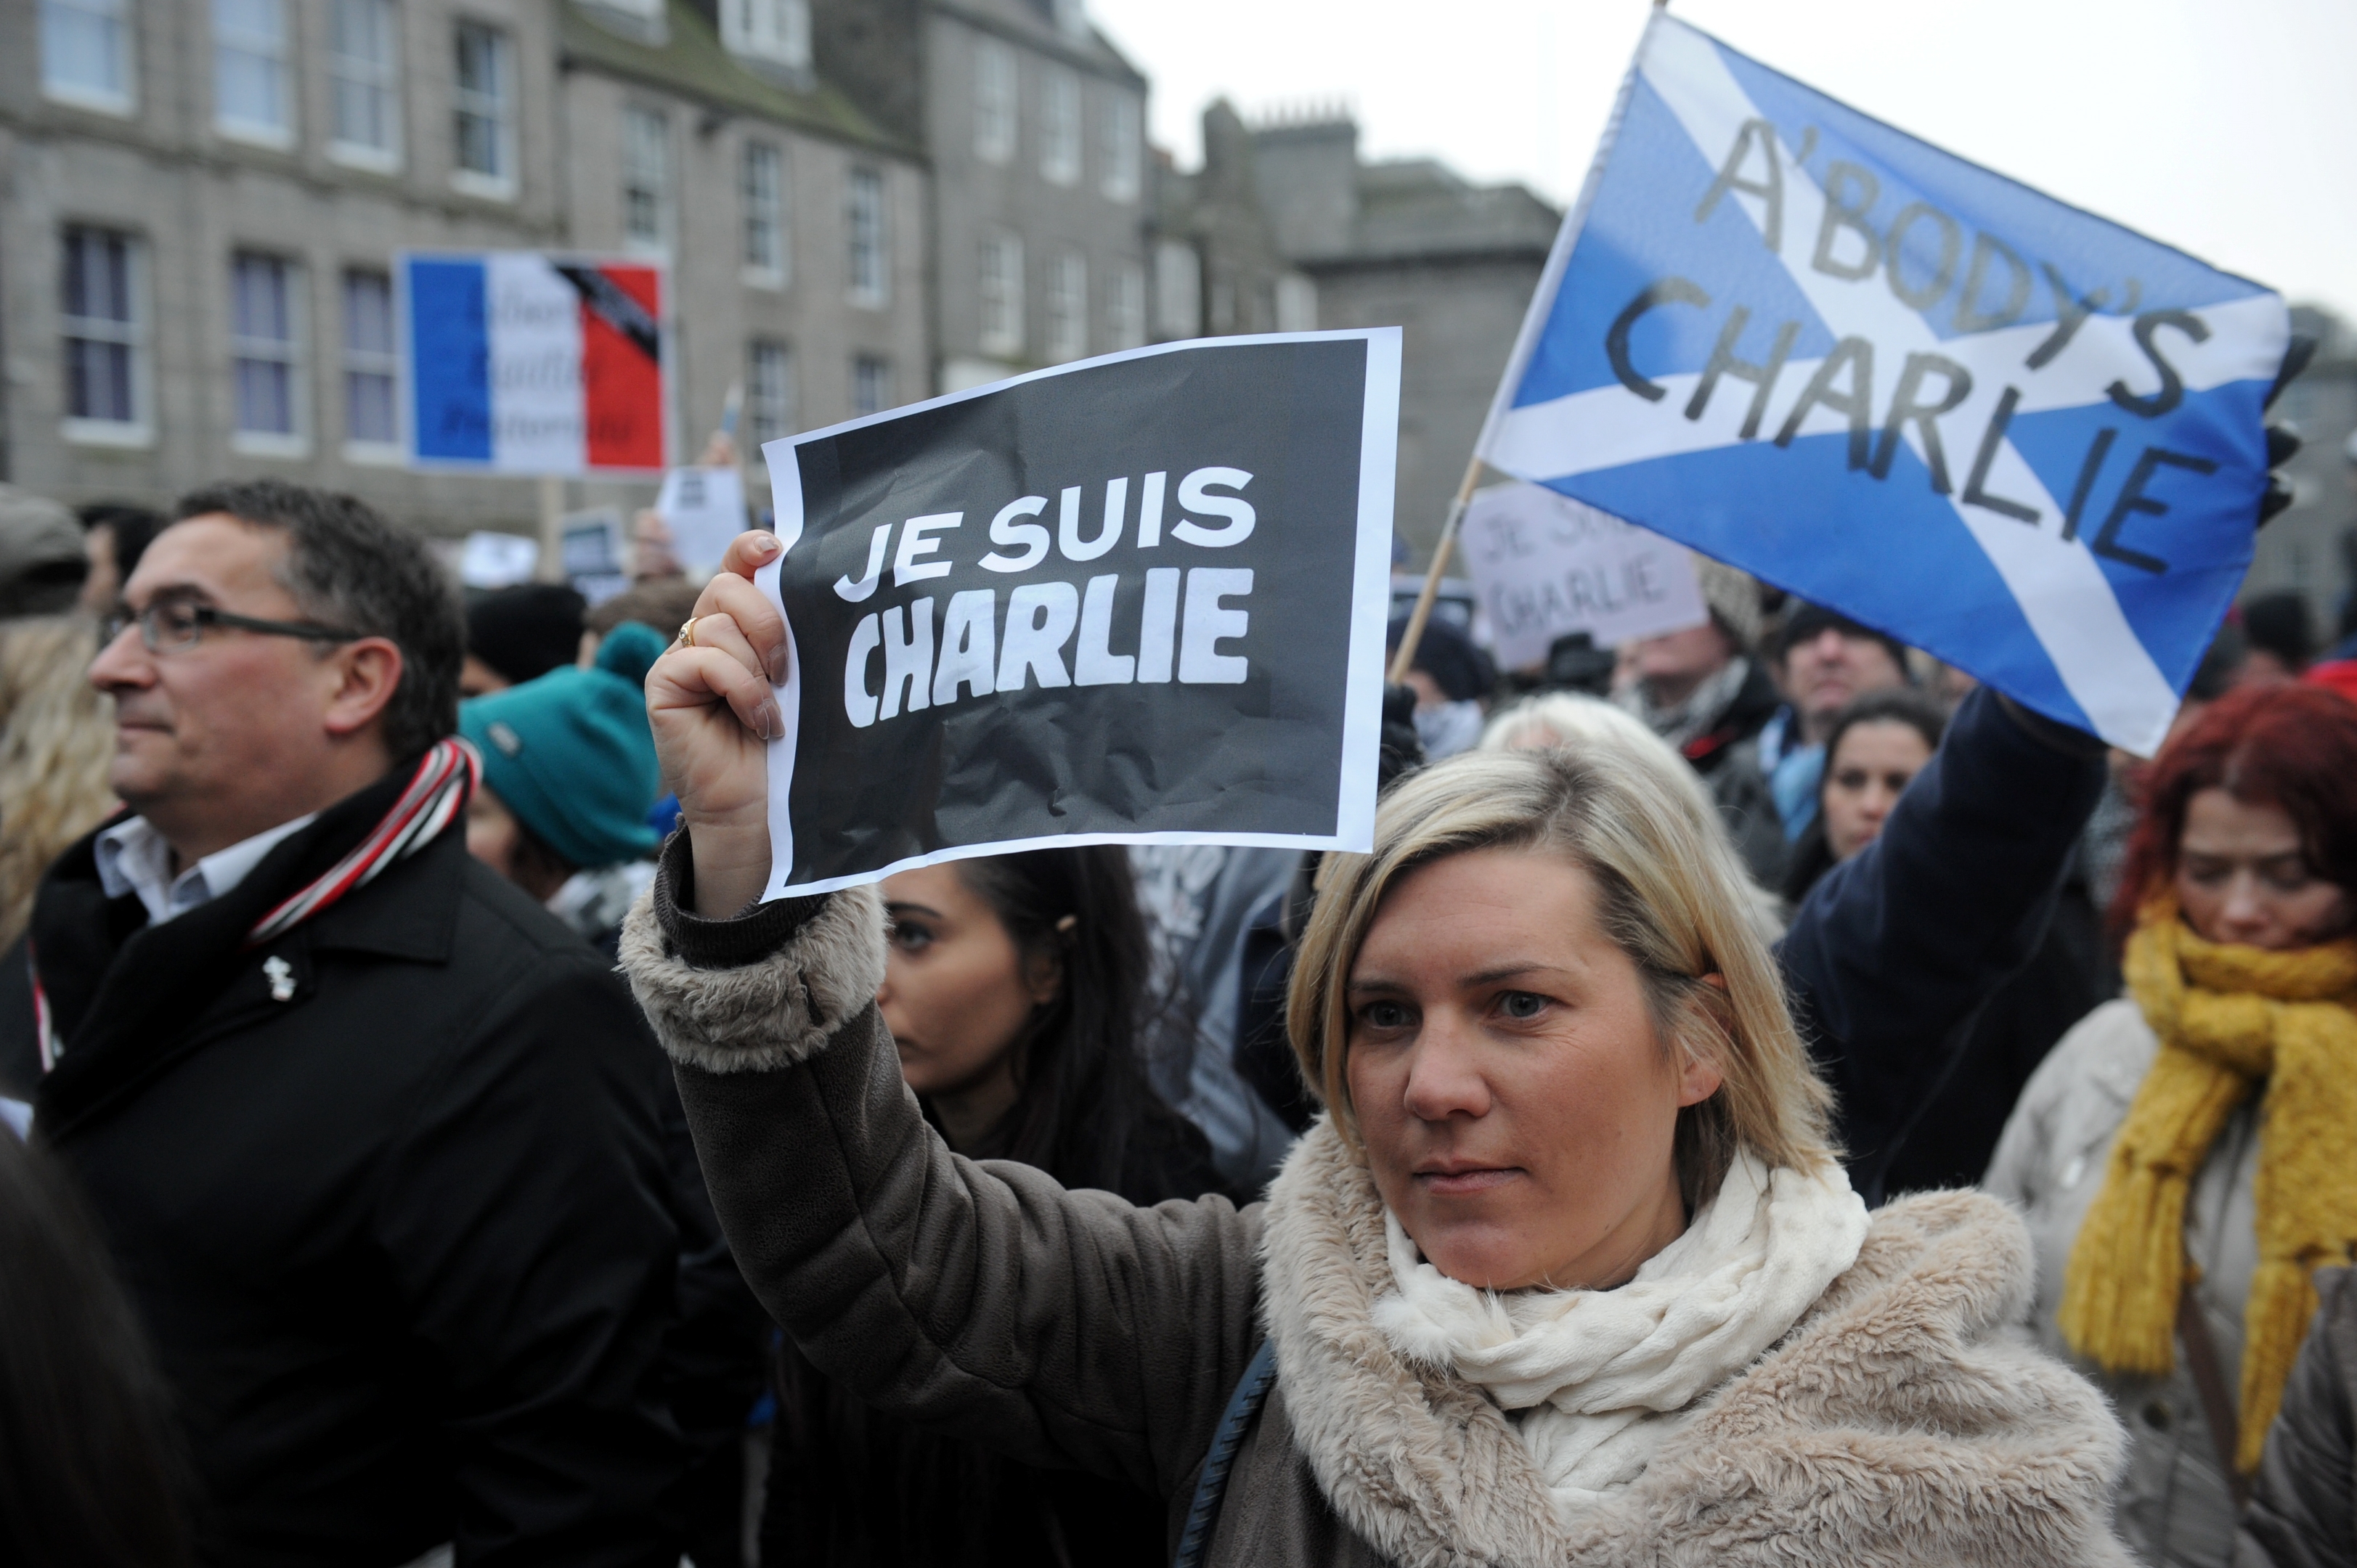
856,1487
1897,946
403,1239
1999,1045
2303,1509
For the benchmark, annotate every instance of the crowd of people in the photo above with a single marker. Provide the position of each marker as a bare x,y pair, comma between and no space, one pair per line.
1778,1100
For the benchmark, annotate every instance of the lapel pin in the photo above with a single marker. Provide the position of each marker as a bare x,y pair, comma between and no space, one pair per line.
282,978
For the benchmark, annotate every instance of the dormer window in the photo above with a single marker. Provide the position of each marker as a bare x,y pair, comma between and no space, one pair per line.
778,31
1072,17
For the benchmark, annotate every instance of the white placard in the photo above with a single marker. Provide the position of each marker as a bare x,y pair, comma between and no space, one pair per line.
704,508
498,560
1545,565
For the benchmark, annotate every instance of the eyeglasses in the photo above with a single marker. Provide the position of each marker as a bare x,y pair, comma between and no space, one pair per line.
176,625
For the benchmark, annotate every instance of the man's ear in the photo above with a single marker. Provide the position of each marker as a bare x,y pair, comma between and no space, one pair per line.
367,673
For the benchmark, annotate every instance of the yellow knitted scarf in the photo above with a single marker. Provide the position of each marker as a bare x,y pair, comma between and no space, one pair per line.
2229,1018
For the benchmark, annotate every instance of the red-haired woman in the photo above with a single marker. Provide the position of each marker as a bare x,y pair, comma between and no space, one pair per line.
2187,1154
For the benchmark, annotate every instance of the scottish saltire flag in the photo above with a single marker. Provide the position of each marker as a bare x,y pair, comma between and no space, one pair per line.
1891,381
524,362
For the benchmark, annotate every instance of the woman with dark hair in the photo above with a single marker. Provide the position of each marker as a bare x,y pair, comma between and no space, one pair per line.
1016,988
1876,746
89,1478
2186,1156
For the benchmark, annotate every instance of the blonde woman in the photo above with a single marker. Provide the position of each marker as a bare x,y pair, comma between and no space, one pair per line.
1576,723
56,741
1566,1272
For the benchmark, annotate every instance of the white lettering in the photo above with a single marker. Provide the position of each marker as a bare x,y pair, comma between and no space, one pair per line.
1068,521
970,643
1194,496
1149,511
1094,663
854,593
859,706
1040,617
1157,627
908,661
1200,661
916,539
1027,537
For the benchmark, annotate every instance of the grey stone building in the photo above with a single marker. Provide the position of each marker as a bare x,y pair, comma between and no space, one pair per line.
205,196
1219,266
1411,244
1034,127
2313,546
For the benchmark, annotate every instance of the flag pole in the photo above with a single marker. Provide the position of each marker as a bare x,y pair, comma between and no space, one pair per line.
1556,259
1404,659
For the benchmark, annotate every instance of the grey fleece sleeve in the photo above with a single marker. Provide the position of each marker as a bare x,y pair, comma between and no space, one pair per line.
1062,1328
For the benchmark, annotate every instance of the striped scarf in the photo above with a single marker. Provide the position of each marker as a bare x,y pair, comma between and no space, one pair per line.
435,797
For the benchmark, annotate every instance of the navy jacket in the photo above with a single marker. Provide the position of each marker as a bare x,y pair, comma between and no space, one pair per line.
1894,949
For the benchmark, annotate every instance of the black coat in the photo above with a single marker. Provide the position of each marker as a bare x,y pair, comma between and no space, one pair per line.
404,1240
1898,946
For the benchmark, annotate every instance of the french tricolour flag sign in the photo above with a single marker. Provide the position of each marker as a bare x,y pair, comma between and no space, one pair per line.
522,362
1891,381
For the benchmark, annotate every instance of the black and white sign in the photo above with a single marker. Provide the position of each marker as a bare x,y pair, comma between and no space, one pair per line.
1136,599
1547,565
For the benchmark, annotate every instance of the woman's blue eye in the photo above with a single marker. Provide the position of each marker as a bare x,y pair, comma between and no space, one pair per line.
1522,1004
1384,1016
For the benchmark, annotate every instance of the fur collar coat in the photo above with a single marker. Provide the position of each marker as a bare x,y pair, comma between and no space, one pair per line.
1902,1421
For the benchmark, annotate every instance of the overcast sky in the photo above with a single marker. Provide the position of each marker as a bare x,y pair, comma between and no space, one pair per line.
2227,127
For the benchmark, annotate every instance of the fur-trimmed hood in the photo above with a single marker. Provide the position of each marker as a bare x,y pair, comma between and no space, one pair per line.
1903,1420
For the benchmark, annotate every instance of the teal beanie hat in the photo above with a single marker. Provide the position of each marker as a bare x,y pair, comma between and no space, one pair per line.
570,753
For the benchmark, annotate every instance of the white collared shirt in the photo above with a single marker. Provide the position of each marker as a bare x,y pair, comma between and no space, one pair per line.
134,858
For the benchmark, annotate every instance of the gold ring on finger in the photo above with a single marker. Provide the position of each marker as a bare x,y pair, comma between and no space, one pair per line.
686,638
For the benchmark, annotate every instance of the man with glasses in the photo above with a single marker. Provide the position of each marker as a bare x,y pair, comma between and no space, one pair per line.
376,1141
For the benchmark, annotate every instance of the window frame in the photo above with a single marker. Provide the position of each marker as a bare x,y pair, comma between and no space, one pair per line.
864,366
1000,253
997,101
787,43
646,177
1064,309
1061,127
122,17
1178,277
1123,151
383,363
874,293
385,86
781,400
129,333
778,201
256,133
288,353
468,102
1126,326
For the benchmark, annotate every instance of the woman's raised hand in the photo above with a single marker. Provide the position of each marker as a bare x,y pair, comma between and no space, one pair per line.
714,715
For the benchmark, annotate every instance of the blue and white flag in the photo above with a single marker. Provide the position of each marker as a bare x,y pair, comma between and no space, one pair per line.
1893,382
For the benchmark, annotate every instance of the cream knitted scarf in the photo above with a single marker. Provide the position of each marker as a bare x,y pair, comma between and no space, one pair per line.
1595,1380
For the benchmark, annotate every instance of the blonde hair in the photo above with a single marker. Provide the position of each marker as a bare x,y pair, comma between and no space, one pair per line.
57,743
1580,724
1669,895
